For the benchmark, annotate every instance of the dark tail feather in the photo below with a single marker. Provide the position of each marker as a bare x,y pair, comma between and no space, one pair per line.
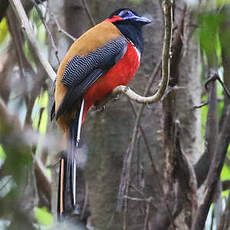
67,191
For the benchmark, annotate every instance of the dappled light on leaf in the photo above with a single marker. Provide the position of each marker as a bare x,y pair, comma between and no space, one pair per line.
43,217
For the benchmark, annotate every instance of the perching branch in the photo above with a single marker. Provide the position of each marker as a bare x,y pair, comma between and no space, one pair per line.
165,66
22,17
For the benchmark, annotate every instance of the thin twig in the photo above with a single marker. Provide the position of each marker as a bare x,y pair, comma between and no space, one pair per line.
60,28
147,216
185,174
154,169
200,106
217,77
22,17
148,200
48,30
86,7
140,111
85,203
40,117
130,151
6,183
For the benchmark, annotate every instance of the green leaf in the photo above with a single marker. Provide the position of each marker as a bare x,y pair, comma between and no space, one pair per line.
41,102
28,54
2,153
3,30
204,112
41,34
34,16
208,32
2,156
225,175
43,216
220,3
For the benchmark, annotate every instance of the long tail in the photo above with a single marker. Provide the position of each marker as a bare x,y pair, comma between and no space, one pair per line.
67,189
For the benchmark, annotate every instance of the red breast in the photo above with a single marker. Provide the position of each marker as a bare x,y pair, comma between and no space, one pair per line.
120,74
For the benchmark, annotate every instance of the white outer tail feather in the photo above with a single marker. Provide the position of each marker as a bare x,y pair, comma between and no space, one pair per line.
77,143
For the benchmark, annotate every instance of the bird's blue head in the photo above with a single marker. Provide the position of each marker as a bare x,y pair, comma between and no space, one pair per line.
128,16
130,25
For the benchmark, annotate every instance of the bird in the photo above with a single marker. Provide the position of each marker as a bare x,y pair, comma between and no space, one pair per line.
104,57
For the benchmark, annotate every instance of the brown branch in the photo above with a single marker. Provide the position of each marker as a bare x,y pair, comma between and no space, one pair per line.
3,8
138,116
225,218
155,171
200,106
202,166
226,185
215,169
147,216
168,108
217,77
150,155
156,97
185,174
22,17
137,125
43,181
162,219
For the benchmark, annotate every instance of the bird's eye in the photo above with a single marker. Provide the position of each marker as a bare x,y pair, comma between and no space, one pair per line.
125,14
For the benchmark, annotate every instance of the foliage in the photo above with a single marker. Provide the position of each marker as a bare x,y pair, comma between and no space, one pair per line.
3,30
40,113
43,217
209,33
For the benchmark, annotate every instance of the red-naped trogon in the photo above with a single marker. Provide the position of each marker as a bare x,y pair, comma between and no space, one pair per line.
106,56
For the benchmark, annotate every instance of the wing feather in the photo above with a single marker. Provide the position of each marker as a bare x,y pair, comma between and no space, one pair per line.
81,72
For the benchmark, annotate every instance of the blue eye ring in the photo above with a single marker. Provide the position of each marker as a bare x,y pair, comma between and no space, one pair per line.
125,13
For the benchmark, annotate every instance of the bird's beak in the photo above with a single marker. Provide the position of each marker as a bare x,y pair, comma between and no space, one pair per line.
142,20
